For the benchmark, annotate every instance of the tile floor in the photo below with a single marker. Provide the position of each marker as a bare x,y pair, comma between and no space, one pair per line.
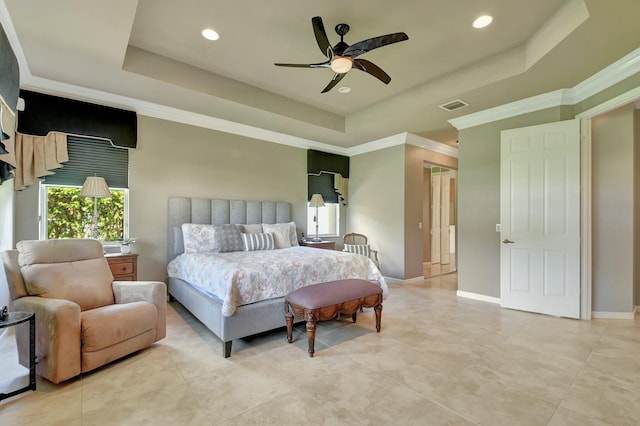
438,360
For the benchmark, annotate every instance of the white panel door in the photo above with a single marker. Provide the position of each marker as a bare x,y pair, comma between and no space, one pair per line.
445,197
540,219
436,229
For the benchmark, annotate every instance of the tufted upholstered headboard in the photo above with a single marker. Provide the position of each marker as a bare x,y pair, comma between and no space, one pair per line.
213,211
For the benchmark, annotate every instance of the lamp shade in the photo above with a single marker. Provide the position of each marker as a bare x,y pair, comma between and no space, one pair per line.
316,201
341,64
95,186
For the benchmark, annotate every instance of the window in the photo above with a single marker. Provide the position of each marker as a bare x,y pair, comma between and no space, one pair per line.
328,220
67,214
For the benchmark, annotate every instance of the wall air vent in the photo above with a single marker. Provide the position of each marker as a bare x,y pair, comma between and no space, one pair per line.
454,105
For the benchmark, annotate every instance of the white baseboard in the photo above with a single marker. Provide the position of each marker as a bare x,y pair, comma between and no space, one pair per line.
394,281
480,297
612,315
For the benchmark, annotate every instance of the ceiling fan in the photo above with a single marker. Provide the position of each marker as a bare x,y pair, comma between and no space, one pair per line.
342,57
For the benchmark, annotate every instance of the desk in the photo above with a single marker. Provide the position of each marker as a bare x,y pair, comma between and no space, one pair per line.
13,319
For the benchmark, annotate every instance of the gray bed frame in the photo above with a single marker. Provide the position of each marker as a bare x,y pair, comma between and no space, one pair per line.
248,319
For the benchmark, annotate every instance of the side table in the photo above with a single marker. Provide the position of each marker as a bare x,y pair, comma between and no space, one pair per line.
327,245
13,319
124,267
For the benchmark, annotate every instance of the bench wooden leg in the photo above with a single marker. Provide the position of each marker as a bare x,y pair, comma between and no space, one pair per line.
311,331
289,317
378,309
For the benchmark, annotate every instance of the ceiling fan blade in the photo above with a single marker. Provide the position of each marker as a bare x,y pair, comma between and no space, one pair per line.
364,46
371,68
332,84
321,37
319,65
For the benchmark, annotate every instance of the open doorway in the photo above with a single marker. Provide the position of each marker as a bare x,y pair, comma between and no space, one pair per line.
439,219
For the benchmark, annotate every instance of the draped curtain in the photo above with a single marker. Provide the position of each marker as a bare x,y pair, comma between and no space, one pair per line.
7,142
37,156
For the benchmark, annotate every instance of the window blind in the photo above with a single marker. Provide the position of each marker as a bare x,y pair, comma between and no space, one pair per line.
92,157
322,184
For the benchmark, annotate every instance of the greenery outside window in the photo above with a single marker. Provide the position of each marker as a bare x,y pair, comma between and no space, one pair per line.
328,220
67,214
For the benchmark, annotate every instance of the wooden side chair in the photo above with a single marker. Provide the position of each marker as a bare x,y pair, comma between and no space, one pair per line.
358,243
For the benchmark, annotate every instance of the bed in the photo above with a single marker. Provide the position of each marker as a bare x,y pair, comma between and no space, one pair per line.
239,294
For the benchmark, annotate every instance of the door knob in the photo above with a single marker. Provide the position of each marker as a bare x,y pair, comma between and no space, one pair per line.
507,241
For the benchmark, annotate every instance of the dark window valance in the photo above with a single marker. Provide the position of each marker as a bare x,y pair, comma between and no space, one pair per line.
327,175
92,157
318,162
46,113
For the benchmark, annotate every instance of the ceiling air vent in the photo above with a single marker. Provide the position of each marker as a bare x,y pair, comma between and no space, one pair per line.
454,105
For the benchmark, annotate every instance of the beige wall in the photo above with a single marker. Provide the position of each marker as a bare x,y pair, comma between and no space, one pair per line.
6,233
613,202
376,204
636,208
180,160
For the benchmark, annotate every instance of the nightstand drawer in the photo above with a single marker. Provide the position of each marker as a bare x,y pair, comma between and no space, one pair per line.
124,268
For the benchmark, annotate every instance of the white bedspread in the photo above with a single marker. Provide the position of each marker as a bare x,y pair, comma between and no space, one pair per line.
240,278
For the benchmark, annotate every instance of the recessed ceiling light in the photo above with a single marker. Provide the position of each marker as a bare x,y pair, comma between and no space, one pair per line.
210,34
482,21
344,89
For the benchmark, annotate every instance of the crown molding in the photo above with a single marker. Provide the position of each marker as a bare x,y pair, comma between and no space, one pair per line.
431,145
605,78
376,145
512,109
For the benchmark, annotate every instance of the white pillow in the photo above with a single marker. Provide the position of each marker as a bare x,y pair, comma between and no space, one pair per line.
261,241
281,233
198,238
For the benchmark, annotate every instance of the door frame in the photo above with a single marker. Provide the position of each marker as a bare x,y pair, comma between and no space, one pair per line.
586,240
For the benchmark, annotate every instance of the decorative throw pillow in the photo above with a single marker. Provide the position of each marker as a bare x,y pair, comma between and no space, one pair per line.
252,228
258,242
228,238
280,233
198,238
362,249
293,236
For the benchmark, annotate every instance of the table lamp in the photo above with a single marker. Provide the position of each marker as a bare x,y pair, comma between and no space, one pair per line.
95,187
316,201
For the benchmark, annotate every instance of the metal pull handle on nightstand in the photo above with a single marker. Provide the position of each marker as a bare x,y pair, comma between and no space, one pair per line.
507,241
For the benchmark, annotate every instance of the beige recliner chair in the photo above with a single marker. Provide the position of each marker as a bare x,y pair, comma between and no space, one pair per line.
84,319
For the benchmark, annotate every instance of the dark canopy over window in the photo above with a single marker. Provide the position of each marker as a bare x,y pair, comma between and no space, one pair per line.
327,175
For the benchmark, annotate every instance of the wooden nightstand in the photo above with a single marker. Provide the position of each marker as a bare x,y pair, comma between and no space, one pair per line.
124,267
327,245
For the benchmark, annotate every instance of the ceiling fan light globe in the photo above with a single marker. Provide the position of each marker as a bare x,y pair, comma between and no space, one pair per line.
341,64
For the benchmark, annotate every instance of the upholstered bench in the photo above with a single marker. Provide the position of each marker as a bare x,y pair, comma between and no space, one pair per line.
324,301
